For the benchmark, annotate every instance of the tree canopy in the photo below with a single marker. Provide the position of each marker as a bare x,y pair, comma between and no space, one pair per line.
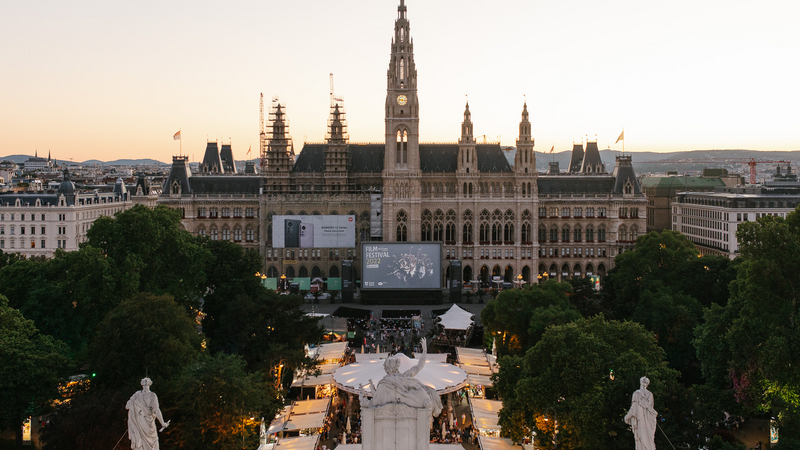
751,346
584,373
518,317
32,365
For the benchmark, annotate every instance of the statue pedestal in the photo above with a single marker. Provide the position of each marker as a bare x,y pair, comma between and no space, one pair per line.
395,426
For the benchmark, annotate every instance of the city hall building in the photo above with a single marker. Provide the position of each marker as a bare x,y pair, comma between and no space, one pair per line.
498,218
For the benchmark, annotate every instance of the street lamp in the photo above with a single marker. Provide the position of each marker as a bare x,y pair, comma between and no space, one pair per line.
283,282
539,278
555,426
519,280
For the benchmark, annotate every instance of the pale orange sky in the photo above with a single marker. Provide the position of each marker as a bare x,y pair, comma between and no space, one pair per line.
109,80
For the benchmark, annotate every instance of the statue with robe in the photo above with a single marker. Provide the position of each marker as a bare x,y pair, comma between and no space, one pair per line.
403,388
143,411
642,417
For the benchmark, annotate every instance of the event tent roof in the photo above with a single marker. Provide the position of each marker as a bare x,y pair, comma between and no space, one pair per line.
325,377
484,413
442,377
301,415
490,443
332,351
456,319
432,357
297,443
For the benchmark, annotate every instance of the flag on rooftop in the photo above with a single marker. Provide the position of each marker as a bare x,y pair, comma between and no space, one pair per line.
552,148
621,136
177,136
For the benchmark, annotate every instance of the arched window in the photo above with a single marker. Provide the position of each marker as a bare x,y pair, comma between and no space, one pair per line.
565,234
303,272
226,234
237,234
214,234
589,233
554,234
290,272
576,234
622,234
634,232
467,235
601,234
402,232
402,147
450,226
542,233
438,226
426,227
334,271
485,228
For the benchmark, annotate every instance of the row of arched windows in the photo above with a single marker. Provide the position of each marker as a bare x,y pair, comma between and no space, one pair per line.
248,234
302,272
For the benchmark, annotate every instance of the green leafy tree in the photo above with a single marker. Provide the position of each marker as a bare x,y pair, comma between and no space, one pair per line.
673,317
95,419
568,374
243,318
147,335
752,345
32,366
658,260
215,402
150,247
518,317
68,295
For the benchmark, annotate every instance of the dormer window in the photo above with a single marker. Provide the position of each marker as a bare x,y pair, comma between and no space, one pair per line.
176,188
628,187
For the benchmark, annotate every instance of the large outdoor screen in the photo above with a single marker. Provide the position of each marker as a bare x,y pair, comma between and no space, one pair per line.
313,231
401,266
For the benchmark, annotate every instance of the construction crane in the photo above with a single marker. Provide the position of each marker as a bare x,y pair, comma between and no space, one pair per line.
752,162
334,99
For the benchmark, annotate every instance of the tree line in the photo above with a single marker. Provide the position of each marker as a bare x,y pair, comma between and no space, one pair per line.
143,297
715,336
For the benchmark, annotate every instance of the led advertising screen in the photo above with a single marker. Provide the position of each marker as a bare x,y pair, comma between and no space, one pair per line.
401,265
313,231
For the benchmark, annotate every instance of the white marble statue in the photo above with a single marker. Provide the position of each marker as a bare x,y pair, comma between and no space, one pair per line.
403,388
642,417
143,411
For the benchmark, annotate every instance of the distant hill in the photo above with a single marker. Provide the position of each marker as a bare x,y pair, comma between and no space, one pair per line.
19,159
125,162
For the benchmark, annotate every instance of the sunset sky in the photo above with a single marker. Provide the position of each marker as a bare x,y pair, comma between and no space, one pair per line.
108,80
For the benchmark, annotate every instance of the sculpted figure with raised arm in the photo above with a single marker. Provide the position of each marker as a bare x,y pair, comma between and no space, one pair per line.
403,388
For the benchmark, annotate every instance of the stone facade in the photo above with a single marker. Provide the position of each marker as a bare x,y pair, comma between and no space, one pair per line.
499,218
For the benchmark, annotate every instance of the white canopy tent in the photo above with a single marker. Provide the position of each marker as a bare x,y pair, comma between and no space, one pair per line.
301,415
491,443
442,377
456,319
311,406
326,377
478,364
484,413
327,352
432,357
297,443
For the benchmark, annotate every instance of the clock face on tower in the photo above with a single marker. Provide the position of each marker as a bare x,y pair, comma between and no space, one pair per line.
401,100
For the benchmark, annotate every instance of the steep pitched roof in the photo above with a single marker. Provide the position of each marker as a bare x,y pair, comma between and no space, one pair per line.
226,155
226,185
574,184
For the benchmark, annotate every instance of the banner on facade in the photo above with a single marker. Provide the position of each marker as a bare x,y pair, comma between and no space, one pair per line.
376,215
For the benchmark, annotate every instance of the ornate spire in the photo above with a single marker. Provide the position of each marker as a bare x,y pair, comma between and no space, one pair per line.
466,127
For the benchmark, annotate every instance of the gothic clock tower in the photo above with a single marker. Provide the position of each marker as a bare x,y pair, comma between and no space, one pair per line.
401,167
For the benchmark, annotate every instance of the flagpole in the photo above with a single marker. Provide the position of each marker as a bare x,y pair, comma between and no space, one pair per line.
623,141
180,148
